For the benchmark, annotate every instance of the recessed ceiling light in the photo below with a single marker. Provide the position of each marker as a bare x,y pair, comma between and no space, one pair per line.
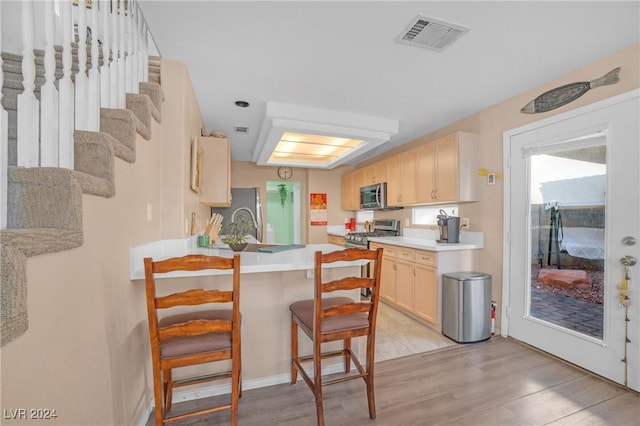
242,104
297,136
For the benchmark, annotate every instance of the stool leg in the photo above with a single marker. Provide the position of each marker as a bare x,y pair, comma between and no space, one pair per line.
347,355
294,351
317,379
369,379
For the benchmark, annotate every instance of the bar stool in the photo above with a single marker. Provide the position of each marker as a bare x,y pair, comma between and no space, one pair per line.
337,319
192,338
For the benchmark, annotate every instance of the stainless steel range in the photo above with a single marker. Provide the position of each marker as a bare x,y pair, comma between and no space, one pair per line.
380,228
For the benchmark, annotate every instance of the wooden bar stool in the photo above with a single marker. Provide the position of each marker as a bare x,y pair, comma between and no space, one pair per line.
192,338
337,319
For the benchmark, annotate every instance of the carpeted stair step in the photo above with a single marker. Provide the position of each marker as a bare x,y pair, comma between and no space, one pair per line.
121,125
94,162
141,106
155,93
43,197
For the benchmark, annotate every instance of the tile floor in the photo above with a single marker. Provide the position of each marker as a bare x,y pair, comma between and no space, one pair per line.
399,335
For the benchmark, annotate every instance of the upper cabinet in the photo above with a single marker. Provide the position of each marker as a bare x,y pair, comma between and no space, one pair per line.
375,173
350,191
446,170
438,172
215,188
401,185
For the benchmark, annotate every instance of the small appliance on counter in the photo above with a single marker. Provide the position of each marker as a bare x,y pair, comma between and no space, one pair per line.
449,228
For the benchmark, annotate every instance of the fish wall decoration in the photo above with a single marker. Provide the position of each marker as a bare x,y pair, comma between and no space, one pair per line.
555,98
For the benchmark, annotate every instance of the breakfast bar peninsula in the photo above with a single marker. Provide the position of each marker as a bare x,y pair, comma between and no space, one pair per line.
269,283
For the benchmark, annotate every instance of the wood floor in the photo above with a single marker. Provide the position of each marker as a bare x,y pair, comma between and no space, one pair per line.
497,382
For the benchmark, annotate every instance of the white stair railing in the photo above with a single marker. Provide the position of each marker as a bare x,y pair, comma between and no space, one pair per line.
45,129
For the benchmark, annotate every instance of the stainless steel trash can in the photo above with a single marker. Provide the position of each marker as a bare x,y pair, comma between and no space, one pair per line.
466,306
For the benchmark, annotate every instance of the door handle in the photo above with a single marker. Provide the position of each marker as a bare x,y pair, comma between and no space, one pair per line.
628,260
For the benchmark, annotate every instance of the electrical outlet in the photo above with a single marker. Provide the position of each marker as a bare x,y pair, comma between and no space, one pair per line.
310,273
149,212
407,222
465,222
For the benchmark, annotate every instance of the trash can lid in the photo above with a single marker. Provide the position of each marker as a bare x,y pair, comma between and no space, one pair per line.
467,275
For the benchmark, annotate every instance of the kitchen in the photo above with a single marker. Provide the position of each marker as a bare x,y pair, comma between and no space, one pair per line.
105,318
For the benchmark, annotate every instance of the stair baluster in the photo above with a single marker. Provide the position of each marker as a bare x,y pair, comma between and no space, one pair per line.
82,81
49,95
66,91
4,146
93,108
105,69
28,105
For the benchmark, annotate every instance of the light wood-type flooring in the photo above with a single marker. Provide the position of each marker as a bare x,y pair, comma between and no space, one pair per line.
497,382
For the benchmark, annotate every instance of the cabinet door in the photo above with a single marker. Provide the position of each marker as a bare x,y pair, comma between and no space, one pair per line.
408,177
447,168
336,239
369,175
426,296
381,173
404,285
388,279
394,181
216,172
347,191
425,173
351,183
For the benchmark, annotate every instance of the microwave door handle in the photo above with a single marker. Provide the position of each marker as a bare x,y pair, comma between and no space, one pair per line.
378,190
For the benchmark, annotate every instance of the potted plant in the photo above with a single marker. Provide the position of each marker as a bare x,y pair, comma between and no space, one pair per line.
235,234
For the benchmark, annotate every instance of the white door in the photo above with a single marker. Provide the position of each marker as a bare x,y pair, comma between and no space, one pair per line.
572,214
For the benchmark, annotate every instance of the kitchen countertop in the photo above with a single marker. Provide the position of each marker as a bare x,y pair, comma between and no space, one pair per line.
251,262
425,244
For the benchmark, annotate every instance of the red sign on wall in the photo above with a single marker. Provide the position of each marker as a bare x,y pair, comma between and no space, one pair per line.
318,209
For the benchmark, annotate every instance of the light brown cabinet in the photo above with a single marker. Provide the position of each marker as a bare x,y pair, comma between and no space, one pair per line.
401,185
215,188
351,183
336,239
411,278
375,173
446,169
426,286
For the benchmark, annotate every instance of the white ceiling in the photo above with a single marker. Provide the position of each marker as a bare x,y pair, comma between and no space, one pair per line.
341,55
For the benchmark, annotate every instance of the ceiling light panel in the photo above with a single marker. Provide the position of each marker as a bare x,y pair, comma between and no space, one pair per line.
312,137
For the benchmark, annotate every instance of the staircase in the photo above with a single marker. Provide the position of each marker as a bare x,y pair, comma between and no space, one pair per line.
44,204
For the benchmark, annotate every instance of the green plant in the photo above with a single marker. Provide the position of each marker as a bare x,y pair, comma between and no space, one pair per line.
282,190
236,232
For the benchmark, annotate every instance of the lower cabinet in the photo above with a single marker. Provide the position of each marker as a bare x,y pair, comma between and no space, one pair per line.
336,239
411,278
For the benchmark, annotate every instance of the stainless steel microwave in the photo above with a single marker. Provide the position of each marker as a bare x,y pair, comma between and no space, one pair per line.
374,197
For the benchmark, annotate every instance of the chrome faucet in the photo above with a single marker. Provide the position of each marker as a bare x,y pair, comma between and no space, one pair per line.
253,219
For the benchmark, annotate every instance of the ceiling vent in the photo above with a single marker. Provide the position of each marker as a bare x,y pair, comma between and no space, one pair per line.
243,130
430,33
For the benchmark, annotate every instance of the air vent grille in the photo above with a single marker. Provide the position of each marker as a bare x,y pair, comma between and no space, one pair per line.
241,129
430,33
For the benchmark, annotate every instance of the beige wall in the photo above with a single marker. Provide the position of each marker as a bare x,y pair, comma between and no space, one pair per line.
86,351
